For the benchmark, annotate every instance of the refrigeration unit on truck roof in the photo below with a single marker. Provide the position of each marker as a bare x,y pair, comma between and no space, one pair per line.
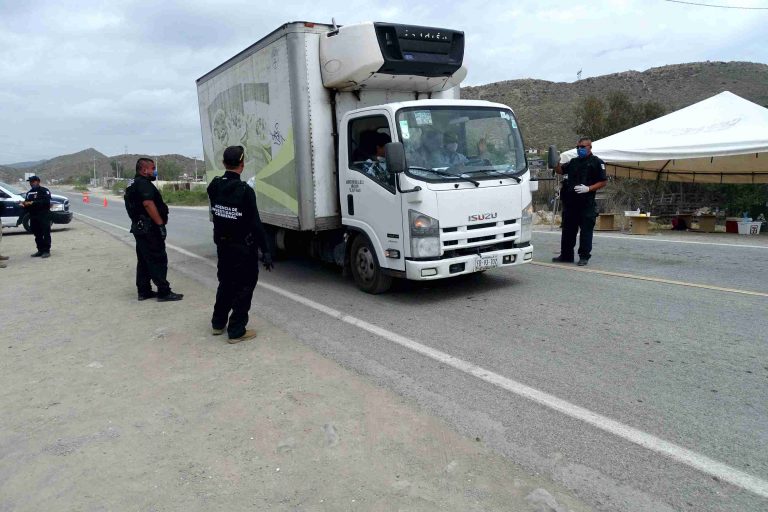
392,56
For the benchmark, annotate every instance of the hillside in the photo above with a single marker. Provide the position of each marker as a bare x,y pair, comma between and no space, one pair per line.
83,163
6,173
546,109
25,165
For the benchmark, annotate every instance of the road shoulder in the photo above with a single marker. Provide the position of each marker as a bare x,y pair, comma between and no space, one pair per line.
113,404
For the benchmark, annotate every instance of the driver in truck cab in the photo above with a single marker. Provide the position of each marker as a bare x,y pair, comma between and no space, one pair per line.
376,165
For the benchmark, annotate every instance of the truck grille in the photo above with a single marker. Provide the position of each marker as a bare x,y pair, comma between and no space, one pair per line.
475,238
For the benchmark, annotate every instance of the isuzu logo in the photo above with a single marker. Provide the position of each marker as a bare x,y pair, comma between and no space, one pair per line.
483,216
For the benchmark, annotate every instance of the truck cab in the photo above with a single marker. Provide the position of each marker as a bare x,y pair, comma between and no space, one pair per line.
458,201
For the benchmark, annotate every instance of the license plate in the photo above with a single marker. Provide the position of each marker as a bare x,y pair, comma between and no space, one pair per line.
486,263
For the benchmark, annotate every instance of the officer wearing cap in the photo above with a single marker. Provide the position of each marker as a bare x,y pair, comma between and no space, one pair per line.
584,176
38,204
238,234
149,215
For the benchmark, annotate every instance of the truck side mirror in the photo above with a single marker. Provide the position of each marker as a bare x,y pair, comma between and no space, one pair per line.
553,157
394,153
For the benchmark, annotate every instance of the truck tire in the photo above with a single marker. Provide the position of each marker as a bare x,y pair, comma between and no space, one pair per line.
366,271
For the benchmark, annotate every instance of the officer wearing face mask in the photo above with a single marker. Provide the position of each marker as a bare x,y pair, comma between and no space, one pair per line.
583,176
149,215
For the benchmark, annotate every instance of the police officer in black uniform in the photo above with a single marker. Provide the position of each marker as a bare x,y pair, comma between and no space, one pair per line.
149,215
583,177
38,203
238,234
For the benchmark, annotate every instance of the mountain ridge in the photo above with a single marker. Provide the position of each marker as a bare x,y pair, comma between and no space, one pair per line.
84,162
546,110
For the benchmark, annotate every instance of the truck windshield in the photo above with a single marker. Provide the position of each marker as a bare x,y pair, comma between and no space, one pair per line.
469,142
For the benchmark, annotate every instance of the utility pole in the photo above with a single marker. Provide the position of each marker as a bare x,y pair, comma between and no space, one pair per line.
195,168
94,170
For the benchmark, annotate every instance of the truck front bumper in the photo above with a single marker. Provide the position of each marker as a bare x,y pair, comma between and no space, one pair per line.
440,269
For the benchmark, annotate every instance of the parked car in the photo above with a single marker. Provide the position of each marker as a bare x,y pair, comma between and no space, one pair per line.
13,215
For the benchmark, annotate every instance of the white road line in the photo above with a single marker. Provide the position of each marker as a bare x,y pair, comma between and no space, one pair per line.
675,452
641,238
180,250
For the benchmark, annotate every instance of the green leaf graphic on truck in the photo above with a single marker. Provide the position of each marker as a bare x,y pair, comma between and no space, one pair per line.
247,109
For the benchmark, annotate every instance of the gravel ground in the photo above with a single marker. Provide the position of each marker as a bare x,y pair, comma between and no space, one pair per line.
112,404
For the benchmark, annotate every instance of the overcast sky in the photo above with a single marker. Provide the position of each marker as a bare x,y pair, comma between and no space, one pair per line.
120,74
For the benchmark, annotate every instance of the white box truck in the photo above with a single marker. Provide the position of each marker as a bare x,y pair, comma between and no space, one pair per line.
360,150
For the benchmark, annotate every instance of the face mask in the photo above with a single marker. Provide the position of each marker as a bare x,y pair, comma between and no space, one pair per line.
582,152
452,146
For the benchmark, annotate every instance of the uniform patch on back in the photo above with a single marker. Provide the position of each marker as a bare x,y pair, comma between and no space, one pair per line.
226,212
602,166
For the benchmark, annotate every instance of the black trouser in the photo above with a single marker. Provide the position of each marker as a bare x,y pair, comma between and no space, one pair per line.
238,272
577,218
41,227
152,263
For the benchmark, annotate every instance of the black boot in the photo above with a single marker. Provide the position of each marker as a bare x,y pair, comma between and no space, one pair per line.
170,296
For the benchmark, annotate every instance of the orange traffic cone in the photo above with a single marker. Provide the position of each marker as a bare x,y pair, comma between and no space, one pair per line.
105,202
85,197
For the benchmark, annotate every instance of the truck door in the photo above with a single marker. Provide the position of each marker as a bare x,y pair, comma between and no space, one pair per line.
369,199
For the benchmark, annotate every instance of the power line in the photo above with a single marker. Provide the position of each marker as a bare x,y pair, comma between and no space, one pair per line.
719,6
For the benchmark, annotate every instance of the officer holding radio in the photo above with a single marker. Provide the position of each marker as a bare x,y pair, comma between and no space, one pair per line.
238,234
149,215
583,176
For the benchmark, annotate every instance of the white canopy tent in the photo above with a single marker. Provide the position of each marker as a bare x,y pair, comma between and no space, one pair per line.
723,139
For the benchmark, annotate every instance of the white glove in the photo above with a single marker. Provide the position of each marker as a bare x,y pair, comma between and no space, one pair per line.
581,189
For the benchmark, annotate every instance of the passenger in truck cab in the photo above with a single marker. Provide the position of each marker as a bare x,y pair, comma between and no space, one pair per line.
451,148
431,153
482,151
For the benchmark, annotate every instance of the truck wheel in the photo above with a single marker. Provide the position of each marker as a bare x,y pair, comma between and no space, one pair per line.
25,223
366,271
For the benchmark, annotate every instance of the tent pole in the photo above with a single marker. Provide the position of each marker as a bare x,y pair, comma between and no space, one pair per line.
656,185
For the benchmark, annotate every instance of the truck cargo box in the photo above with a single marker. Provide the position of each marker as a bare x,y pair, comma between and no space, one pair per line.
270,99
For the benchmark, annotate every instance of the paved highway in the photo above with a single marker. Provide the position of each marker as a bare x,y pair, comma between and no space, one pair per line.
640,382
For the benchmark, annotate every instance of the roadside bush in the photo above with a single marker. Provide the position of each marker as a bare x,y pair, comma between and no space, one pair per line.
119,188
80,188
195,197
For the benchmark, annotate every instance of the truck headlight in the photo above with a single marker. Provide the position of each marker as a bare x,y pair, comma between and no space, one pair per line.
526,223
57,207
425,235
